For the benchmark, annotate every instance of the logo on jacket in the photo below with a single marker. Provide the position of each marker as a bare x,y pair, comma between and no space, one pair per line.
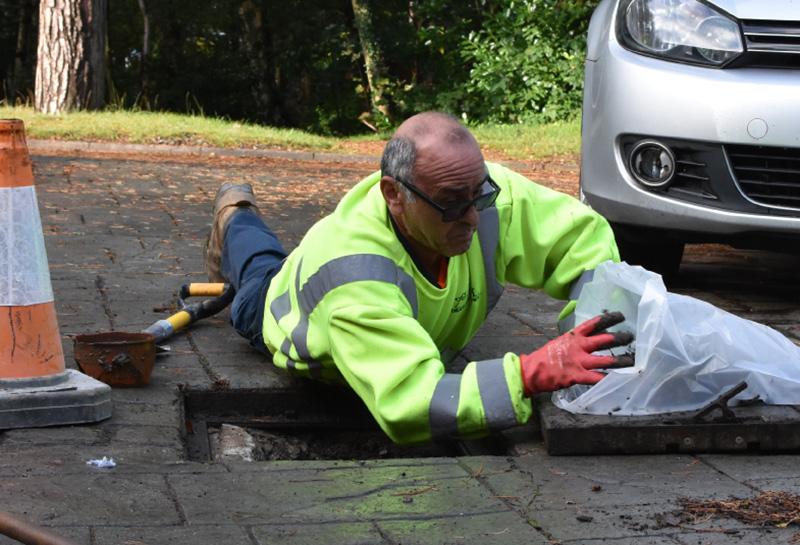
462,300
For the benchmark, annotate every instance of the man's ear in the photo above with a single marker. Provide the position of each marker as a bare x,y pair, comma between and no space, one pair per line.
394,198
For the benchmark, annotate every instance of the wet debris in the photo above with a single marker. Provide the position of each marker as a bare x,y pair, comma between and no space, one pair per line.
769,508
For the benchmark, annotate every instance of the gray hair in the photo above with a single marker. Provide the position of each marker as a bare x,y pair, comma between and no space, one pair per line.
397,161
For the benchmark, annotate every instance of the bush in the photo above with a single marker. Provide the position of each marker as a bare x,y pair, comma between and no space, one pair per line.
527,61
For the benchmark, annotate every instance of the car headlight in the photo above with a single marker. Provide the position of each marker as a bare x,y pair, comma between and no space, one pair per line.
679,30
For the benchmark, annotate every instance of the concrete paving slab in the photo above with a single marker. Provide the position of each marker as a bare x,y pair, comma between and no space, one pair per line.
486,529
165,393
741,468
90,434
355,533
128,413
255,373
71,459
772,536
101,498
159,436
623,480
344,494
194,535
576,522
641,540
781,484
289,466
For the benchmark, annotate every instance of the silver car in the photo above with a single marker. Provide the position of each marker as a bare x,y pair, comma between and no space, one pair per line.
691,125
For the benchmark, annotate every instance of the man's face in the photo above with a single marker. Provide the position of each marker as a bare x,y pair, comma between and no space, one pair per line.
449,174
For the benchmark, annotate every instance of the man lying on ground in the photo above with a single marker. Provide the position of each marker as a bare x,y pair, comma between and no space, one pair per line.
386,290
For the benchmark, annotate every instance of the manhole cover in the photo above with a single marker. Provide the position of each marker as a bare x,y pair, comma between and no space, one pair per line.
755,428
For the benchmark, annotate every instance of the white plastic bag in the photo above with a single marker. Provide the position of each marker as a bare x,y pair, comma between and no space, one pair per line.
688,352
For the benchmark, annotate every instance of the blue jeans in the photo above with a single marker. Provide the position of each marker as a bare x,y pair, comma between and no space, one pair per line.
251,256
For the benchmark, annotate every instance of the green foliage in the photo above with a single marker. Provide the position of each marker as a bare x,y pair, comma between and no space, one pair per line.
300,64
527,61
422,48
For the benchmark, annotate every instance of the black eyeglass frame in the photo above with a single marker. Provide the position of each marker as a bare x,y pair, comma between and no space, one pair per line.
454,213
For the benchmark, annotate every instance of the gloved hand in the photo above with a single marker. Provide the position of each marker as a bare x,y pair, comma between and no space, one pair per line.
568,359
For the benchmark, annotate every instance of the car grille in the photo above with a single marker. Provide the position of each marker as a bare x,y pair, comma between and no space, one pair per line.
767,175
771,44
691,173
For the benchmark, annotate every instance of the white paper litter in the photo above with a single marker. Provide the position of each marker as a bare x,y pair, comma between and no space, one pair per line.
102,462
688,352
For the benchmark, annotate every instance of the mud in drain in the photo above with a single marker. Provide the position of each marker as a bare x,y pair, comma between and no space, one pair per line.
310,423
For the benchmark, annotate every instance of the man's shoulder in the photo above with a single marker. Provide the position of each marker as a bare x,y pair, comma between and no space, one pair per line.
359,225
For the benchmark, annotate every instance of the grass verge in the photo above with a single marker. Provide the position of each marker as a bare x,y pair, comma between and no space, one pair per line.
532,141
161,128
513,141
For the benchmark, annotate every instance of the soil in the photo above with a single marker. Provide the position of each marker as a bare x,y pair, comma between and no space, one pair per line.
559,172
334,445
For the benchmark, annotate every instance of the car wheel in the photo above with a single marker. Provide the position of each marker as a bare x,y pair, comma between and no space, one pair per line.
650,249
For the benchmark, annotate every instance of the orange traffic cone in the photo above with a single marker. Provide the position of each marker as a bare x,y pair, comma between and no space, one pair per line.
35,387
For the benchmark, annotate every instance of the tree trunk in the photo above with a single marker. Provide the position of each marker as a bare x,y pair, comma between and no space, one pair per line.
70,72
373,57
253,42
22,78
414,22
144,73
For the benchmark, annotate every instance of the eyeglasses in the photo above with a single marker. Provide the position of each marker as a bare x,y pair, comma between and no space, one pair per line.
451,213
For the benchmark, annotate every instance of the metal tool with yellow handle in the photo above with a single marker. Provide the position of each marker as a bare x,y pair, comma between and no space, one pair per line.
127,359
222,296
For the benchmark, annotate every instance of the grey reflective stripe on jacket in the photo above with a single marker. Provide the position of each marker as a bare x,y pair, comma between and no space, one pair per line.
489,235
280,307
443,409
498,408
337,272
497,404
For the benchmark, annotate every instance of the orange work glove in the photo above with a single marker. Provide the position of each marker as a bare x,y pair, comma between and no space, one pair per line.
568,359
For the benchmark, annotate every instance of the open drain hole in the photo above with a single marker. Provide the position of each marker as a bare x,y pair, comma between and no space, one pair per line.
312,422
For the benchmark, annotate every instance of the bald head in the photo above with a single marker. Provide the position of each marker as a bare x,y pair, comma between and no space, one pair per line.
423,134
427,127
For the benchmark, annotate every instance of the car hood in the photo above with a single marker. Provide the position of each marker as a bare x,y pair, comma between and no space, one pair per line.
770,10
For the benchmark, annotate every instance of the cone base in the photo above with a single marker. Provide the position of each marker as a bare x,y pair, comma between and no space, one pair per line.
77,399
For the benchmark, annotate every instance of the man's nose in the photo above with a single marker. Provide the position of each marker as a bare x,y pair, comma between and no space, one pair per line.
471,217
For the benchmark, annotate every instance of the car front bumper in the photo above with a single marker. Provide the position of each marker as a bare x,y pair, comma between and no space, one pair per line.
627,93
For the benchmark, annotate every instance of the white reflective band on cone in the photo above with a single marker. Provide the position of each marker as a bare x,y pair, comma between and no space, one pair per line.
24,275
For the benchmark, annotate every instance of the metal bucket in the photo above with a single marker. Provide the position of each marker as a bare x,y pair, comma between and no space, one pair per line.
116,358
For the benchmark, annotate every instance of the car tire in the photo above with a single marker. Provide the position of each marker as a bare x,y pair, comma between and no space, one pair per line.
650,249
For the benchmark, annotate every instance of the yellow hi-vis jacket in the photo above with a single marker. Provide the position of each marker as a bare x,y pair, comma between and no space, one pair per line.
350,304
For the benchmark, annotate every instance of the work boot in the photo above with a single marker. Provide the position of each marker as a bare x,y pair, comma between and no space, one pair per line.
231,198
